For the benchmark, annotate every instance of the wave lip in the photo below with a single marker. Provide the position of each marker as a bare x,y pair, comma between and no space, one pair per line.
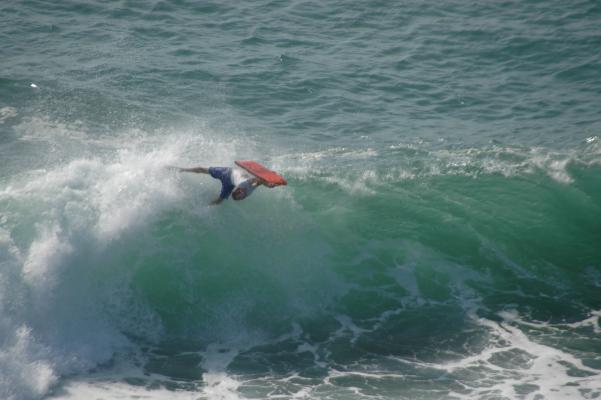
57,227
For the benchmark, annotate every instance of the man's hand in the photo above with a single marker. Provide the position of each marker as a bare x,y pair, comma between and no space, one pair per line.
259,181
218,200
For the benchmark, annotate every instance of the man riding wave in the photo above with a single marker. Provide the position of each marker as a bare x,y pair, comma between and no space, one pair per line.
234,181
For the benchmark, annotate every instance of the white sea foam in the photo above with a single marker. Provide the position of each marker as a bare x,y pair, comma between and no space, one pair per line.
592,321
218,384
511,365
550,370
45,255
44,128
6,113
347,325
534,370
25,365
57,317
110,389
418,161
341,152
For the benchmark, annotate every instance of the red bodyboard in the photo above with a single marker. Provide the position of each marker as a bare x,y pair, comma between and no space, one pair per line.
262,172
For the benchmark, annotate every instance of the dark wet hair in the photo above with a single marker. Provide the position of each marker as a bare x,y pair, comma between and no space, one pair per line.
239,194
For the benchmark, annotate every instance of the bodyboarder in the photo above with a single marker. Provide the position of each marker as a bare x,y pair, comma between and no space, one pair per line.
234,181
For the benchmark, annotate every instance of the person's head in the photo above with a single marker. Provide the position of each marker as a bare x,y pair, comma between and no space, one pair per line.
239,194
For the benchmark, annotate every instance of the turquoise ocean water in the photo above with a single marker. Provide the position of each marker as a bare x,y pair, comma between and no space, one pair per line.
440,236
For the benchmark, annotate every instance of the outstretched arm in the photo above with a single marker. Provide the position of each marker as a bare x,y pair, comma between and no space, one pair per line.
197,170
218,200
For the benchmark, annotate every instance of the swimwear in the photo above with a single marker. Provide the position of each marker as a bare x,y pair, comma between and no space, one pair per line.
230,179
224,174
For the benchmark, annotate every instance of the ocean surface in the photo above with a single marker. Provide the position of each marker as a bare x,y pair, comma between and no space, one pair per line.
439,237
